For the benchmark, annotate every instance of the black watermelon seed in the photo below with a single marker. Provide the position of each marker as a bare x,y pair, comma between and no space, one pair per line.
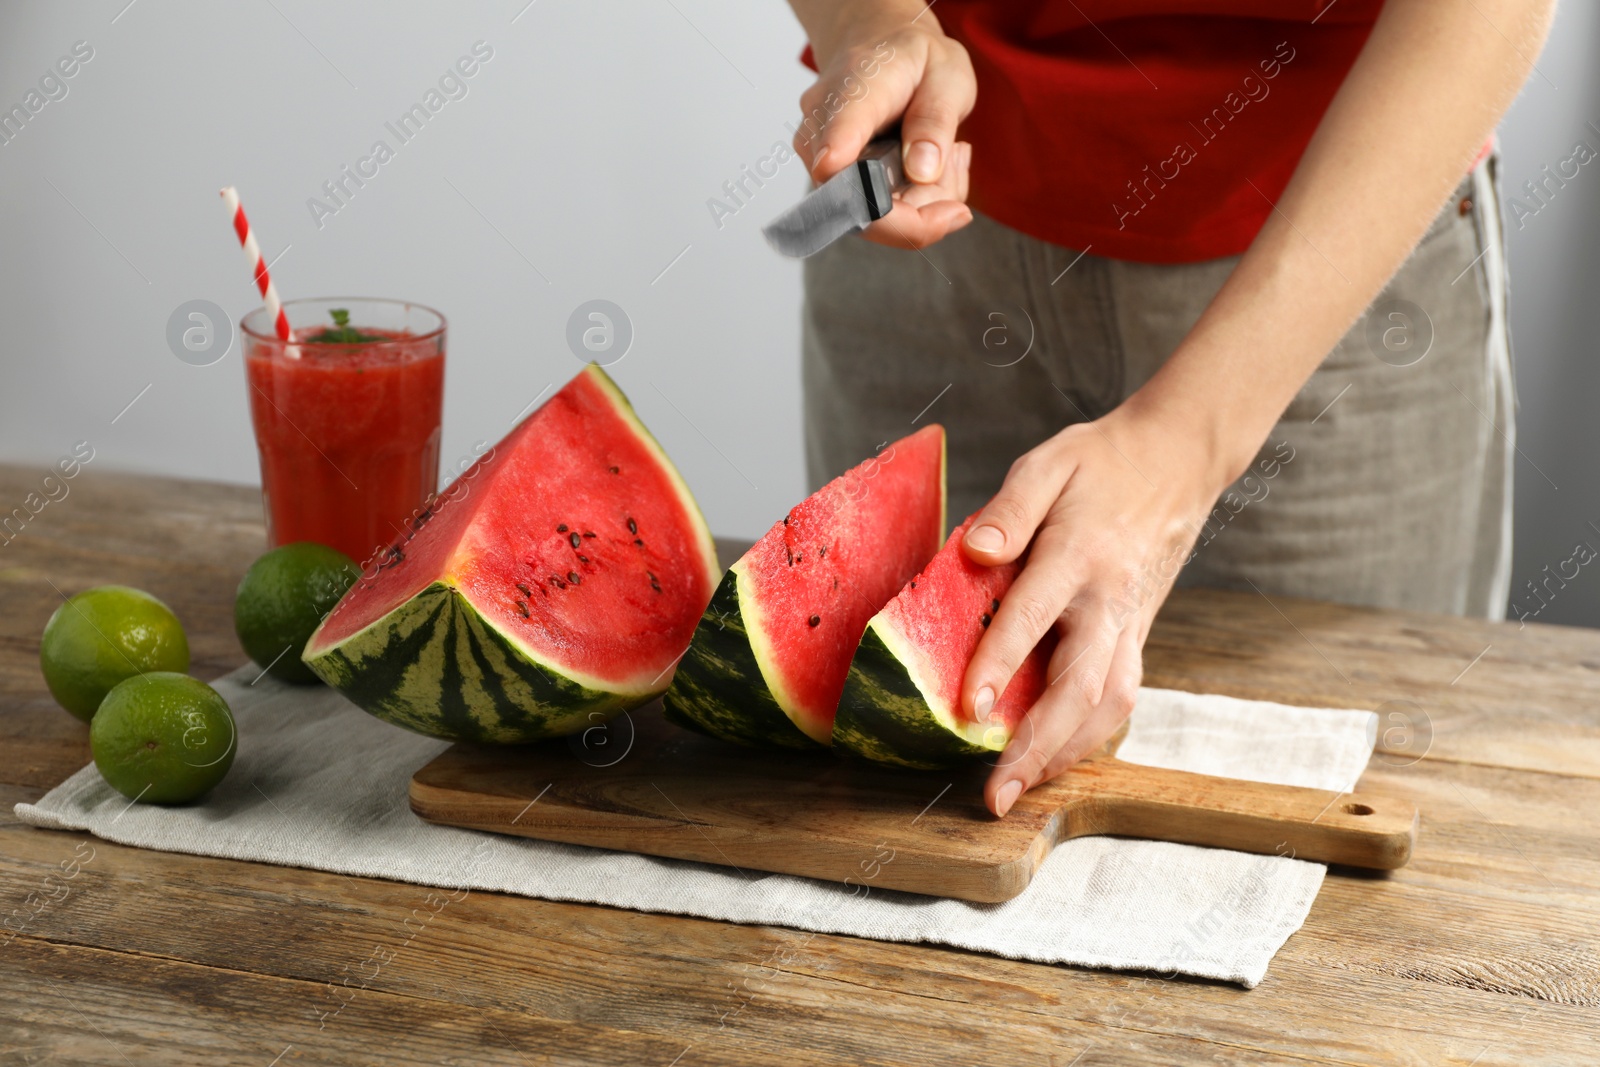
522,608
633,527
994,605
582,558
590,533
562,528
814,620
913,583
576,540
574,577
786,520
984,618
638,541
615,470
524,590
822,553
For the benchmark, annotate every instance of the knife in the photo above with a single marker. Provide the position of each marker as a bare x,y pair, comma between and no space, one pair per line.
844,204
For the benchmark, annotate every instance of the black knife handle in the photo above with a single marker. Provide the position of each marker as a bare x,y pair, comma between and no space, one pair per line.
881,175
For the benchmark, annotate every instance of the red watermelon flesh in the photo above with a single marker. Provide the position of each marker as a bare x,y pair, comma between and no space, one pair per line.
943,612
578,552
808,587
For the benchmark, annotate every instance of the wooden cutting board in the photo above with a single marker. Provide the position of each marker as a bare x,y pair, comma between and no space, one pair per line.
644,786
640,784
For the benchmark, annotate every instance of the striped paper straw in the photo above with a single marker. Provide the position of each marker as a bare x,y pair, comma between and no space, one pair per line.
258,268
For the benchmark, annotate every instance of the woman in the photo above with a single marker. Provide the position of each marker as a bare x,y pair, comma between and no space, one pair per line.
1235,298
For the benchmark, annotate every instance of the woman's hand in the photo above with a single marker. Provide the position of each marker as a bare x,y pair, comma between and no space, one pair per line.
1111,508
882,62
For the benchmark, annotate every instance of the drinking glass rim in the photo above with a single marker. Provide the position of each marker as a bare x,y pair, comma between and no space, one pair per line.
271,334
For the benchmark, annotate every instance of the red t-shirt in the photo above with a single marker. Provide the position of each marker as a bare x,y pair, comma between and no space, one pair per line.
1151,130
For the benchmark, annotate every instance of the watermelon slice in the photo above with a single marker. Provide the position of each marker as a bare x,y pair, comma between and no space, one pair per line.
769,657
554,584
902,699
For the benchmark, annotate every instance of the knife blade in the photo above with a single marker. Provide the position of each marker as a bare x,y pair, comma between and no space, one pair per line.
846,203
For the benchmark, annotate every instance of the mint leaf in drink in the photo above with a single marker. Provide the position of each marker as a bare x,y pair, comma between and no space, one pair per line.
342,333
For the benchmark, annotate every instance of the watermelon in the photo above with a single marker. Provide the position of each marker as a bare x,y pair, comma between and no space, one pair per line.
769,657
902,697
552,585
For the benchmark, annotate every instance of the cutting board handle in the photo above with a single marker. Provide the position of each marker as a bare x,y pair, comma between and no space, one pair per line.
1132,800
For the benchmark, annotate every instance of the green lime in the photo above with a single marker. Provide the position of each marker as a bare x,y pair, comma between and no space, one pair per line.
284,596
103,635
163,738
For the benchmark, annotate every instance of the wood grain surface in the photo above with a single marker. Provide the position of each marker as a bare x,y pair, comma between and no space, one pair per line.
660,790
1481,951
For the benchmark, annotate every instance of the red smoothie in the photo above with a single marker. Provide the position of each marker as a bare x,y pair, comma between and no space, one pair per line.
348,433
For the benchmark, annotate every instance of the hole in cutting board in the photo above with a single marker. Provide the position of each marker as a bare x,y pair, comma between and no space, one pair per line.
1357,809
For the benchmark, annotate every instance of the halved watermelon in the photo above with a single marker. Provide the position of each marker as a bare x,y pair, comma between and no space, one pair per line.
769,657
902,698
554,584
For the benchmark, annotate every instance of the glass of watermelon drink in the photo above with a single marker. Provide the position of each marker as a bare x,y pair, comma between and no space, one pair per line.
347,418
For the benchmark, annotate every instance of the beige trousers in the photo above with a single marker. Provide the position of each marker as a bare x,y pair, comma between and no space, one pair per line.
1390,478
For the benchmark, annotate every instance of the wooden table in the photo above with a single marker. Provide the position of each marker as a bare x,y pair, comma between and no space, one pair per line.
1483,951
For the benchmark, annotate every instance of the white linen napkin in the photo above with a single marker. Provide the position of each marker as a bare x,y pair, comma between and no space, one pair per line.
319,783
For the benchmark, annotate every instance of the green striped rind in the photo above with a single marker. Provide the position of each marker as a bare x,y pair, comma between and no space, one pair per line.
434,666
885,717
718,688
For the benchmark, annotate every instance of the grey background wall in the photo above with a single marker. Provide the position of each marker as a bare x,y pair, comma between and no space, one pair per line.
1555,272
577,165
